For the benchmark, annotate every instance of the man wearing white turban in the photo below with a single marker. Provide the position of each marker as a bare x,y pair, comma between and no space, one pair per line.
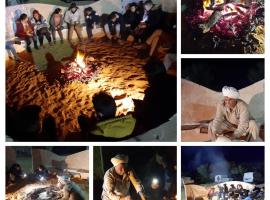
117,180
232,115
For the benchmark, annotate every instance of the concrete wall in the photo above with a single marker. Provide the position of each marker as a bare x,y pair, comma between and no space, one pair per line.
77,161
10,156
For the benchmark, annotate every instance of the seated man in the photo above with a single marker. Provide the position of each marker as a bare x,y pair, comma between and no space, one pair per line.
112,28
41,173
105,123
15,173
232,115
117,180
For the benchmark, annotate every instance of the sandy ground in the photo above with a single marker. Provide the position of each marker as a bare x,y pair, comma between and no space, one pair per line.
120,74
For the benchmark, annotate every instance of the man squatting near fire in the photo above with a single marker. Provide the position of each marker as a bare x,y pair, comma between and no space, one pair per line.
117,180
232,115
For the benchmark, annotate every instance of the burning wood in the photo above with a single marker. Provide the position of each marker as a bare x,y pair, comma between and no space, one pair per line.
82,68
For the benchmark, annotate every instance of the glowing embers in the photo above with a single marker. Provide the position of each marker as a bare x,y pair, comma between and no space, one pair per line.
225,19
207,3
83,68
51,192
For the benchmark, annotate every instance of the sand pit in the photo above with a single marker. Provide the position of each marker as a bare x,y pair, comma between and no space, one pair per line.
120,73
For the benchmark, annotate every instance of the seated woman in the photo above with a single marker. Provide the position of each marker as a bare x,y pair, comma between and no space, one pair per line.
25,31
41,27
56,24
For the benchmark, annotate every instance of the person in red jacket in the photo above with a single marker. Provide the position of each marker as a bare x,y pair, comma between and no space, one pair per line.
25,31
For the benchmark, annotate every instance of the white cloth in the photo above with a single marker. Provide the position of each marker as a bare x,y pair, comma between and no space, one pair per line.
118,159
230,92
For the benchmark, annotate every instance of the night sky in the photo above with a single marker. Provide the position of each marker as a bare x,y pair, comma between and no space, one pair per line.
215,73
239,155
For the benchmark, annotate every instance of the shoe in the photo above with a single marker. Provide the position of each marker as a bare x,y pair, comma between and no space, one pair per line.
54,42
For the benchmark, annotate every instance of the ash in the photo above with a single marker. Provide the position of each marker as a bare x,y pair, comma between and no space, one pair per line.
51,192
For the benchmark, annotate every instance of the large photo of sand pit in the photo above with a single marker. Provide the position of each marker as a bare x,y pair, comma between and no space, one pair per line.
104,71
222,100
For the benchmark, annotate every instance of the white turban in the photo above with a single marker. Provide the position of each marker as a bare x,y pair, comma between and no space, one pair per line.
118,159
230,92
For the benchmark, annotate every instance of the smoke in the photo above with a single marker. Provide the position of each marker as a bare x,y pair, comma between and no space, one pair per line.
215,159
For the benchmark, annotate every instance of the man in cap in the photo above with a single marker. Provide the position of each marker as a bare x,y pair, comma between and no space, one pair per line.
232,115
117,180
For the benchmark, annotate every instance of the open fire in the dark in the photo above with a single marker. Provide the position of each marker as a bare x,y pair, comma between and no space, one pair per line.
82,69
238,21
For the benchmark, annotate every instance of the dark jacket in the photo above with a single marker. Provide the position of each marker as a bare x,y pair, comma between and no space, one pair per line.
91,19
154,19
20,32
132,18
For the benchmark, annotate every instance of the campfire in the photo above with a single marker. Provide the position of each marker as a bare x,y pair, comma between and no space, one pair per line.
233,20
82,68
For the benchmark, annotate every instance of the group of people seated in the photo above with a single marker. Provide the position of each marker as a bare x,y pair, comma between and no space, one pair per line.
142,22
15,175
233,192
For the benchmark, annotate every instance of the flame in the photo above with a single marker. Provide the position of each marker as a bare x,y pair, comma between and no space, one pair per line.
80,59
207,3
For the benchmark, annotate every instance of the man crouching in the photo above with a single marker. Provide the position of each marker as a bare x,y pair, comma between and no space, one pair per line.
117,180
232,115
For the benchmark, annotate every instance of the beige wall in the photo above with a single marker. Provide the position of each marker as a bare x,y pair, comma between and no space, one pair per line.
75,161
10,156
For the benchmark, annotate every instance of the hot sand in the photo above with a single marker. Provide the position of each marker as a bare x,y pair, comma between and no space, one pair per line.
121,74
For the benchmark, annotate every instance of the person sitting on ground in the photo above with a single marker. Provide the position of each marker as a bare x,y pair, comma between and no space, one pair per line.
105,123
232,115
113,28
91,18
150,21
117,180
41,173
15,173
70,189
131,19
56,24
25,31
41,27
73,19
